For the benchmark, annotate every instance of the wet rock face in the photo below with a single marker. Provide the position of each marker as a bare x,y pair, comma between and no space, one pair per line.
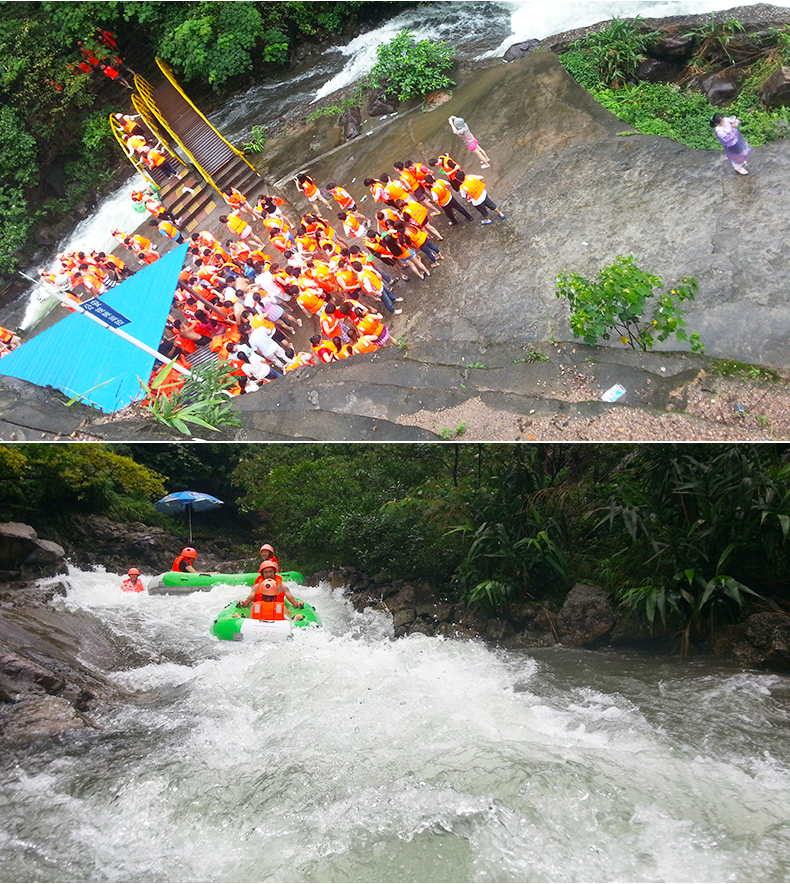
351,121
653,70
519,50
776,89
761,641
587,616
24,554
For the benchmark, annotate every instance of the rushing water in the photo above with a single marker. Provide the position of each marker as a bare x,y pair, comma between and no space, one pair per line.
346,755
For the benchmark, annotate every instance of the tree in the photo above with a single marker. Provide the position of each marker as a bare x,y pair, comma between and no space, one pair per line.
617,301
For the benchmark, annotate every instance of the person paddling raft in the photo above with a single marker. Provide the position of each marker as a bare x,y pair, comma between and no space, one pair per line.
132,582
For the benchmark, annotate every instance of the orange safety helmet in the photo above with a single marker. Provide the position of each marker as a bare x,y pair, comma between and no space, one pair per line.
267,546
189,553
133,572
269,585
268,564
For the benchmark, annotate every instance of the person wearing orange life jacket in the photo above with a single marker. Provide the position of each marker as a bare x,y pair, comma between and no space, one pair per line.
298,360
167,229
474,189
393,190
241,228
448,166
10,340
367,324
373,285
346,202
361,343
268,571
267,555
309,188
238,201
129,124
352,226
322,349
184,563
414,183
374,244
416,213
443,195
133,582
135,143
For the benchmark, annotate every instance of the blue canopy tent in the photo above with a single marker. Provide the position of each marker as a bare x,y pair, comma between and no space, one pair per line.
81,358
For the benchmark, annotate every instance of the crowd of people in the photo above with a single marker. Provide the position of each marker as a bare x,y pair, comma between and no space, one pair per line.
244,296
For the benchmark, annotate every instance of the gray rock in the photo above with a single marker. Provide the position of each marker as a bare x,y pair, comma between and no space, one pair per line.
586,617
761,641
653,70
519,50
775,90
351,121
383,104
673,47
41,715
21,550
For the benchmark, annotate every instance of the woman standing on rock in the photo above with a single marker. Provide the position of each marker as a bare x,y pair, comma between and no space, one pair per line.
460,128
737,148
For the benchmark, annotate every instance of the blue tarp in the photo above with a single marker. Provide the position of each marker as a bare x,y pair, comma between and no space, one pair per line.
76,355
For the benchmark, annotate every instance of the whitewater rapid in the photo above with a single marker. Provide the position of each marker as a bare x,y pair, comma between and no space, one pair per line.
345,754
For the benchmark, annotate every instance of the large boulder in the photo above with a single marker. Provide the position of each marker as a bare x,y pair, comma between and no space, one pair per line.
519,50
383,104
23,553
351,121
762,641
775,91
587,616
718,88
674,47
653,70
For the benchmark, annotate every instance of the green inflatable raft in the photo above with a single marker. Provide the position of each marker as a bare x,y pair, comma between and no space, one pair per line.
235,624
177,583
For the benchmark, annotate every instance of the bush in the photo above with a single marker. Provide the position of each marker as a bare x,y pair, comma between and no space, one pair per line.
410,69
617,50
616,301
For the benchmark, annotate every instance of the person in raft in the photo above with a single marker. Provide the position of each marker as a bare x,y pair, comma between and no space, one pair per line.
267,553
268,571
736,147
268,602
132,582
184,563
458,125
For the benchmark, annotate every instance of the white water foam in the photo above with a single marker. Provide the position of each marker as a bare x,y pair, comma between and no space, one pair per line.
347,755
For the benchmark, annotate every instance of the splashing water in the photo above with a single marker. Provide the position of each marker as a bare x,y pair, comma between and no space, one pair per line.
348,755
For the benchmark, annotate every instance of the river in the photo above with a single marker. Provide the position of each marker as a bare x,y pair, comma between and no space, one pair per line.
474,28
346,755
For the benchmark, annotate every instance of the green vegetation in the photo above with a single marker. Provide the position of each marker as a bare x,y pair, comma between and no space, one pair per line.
409,69
623,300
616,51
200,400
687,537
257,140
605,63
55,143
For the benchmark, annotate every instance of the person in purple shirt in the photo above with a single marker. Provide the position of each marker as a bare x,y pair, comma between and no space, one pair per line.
736,147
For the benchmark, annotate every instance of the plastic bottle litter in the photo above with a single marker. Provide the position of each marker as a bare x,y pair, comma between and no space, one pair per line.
613,393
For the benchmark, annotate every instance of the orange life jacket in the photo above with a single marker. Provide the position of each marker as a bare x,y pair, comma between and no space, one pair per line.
179,560
473,187
370,326
417,211
441,190
342,197
5,335
409,180
130,585
237,225
308,188
267,608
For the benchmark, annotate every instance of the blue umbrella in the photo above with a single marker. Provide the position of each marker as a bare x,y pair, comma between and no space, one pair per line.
187,500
